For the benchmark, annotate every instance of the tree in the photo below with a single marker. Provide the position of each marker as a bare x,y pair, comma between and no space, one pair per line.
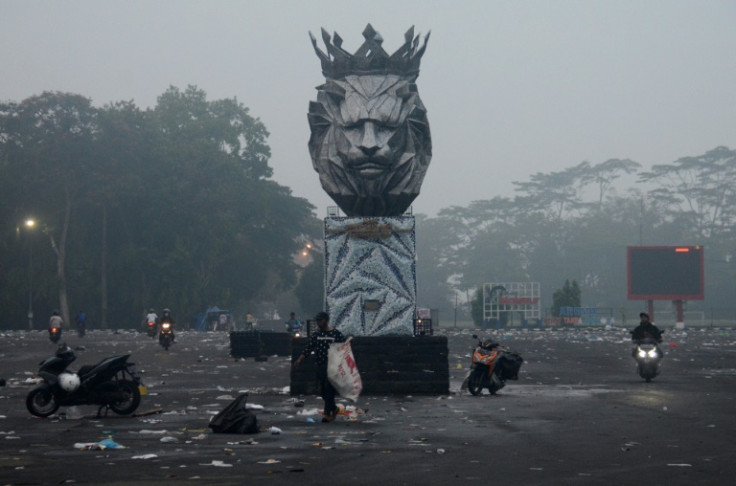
48,149
567,296
310,290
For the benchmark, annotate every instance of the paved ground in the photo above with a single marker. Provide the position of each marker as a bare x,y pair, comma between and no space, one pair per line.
578,415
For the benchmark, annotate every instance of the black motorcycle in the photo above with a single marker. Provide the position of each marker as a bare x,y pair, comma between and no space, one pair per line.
492,365
54,334
112,384
166,335
647,354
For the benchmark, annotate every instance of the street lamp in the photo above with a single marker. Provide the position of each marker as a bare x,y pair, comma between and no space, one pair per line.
30,224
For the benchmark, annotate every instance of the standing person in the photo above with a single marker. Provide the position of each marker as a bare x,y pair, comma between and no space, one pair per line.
249,322
318,345
293,325
81,323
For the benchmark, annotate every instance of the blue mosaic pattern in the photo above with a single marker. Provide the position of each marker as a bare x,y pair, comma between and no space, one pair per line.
371,260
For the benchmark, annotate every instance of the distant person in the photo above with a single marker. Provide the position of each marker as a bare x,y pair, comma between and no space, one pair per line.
249,322
81,321
56,320
646,330
151,316
167,317
319,345
293,325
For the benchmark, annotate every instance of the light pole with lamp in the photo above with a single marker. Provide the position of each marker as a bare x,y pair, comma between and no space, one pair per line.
30,224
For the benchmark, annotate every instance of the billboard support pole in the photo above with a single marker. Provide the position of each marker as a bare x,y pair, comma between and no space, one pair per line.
678,306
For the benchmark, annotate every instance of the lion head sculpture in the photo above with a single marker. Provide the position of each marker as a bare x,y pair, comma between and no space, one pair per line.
370,139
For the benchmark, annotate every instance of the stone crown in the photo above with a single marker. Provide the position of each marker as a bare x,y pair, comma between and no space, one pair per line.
370,58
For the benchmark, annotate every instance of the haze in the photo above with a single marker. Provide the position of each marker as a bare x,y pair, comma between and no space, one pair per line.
512,88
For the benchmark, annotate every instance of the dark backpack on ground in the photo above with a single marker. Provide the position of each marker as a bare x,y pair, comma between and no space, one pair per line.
235,418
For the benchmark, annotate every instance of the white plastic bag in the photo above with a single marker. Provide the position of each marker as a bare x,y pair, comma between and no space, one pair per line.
342,370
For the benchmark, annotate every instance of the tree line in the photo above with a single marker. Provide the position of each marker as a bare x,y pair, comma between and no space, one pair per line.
171,206
575,225
175,206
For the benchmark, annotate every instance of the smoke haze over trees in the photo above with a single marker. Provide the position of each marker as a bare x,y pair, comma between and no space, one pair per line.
174,206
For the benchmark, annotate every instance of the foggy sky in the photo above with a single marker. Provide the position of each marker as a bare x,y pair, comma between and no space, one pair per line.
512,88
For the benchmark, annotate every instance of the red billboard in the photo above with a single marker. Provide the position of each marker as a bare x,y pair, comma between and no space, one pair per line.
665,272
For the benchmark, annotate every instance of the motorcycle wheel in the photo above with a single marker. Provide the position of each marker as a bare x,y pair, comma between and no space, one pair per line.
131,401
494,386
475,383
647,372
41,402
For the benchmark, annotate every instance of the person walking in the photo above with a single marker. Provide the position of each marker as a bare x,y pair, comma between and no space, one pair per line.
319,345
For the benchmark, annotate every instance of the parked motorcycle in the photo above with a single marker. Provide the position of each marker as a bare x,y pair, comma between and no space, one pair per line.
54,334
166,335
112,384
492,365
647,354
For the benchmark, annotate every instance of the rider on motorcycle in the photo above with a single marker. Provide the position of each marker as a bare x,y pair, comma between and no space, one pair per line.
646,330
151,316
166,317
55,320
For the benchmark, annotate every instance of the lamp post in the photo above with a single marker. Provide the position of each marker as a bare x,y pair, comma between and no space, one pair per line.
30,224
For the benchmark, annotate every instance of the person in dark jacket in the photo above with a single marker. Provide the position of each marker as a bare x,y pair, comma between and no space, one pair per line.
646,330
319,345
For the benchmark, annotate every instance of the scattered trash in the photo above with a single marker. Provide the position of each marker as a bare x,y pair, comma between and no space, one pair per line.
217,463
235,418
274,430
98,446
269,461
145,456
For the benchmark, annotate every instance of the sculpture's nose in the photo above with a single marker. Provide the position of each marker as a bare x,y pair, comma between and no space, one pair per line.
368,143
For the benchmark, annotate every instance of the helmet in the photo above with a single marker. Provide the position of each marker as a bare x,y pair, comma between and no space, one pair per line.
166,311
69,381
151,310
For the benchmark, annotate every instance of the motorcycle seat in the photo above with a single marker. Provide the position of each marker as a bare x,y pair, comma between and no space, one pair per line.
85,369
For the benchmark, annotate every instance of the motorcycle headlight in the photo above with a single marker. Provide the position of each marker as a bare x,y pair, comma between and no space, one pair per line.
166,325
652,353
642,353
